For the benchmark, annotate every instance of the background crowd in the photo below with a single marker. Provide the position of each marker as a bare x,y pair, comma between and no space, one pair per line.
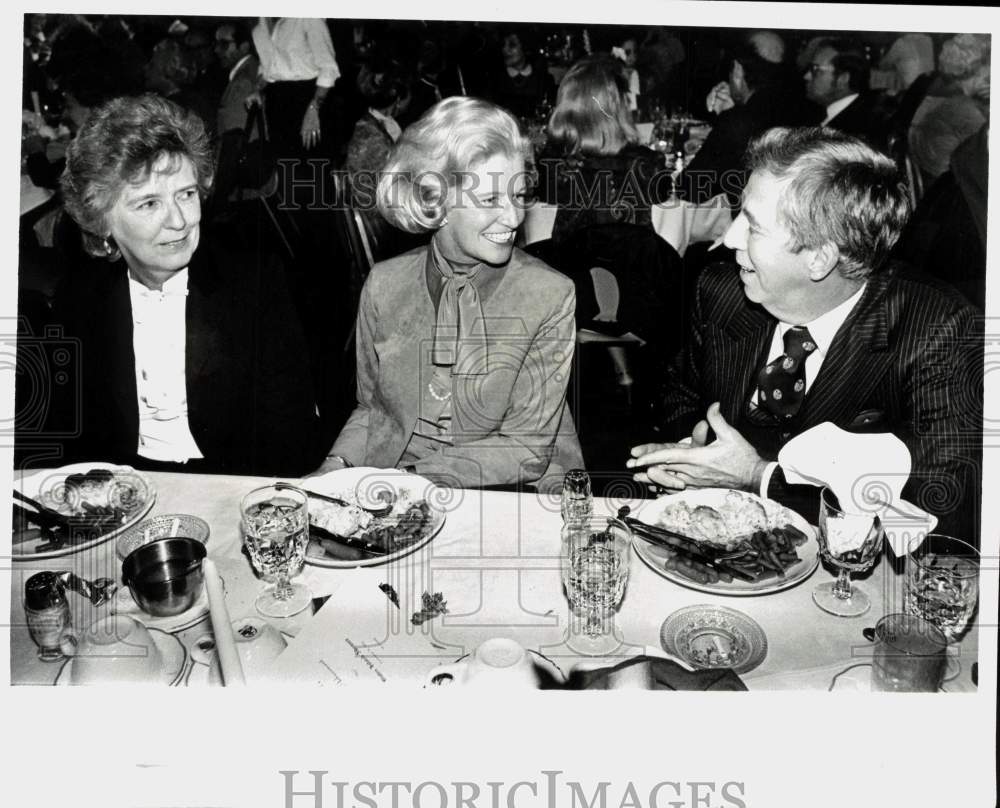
337,94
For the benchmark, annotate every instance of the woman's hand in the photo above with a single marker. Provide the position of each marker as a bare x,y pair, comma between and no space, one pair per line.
310,127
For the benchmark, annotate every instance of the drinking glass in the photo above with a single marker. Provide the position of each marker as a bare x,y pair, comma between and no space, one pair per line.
909,655
276,532
851,542
577,501
942,586
595,564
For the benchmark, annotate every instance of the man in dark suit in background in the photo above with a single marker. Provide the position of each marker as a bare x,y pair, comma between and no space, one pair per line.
814,326
838,80
234,50
756,97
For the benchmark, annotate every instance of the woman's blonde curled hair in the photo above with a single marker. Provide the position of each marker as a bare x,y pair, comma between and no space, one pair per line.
434,153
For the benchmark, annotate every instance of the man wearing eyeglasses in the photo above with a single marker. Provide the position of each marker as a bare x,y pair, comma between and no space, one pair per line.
838,80
234,50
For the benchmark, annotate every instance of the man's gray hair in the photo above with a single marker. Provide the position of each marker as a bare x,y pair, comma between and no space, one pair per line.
841,191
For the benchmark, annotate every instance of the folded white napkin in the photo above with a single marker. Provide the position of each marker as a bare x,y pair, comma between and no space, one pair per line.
867,473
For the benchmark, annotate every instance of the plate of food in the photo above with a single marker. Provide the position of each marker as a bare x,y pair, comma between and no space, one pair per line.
364,517
725,542
69,509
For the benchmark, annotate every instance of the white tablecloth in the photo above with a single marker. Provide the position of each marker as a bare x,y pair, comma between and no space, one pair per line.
678,222
496,562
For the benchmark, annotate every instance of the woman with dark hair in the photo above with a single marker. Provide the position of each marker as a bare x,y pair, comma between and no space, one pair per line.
190,355
464,346
523,82
385,88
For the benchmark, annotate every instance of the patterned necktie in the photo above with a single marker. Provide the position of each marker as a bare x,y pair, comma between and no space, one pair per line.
782,384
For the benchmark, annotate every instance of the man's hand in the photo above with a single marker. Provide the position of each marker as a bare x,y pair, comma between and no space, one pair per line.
719,98
728,462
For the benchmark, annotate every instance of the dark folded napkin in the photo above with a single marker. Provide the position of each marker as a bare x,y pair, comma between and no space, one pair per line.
659,674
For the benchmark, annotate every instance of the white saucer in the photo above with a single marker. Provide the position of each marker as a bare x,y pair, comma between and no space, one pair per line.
174,661
123,603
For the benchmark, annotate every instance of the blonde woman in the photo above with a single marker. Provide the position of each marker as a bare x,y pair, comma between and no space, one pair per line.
464,346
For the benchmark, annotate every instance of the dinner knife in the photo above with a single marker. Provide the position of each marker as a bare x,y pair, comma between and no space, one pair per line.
685,546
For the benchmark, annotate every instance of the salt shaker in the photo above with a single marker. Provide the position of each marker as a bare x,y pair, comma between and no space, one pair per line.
577,502
47,611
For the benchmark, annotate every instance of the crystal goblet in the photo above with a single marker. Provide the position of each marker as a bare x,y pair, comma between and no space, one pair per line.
276,532
942,586
595,565
849,541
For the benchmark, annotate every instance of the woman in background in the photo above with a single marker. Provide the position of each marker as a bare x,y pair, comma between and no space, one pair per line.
593,166
604,184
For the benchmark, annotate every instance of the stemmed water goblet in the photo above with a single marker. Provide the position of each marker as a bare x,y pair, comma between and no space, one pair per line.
595,565
942,587
849,541
276,531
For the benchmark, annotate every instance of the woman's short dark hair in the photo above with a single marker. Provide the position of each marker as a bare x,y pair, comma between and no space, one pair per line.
381,82
119,144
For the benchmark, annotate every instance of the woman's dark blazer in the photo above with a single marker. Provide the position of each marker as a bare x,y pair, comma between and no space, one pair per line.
251,406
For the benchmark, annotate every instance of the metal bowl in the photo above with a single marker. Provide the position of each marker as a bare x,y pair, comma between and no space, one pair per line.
165,576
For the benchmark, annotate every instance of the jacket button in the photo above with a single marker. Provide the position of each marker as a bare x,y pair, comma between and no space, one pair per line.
786,435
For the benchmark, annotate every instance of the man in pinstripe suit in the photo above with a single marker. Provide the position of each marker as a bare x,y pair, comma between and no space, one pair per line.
888,351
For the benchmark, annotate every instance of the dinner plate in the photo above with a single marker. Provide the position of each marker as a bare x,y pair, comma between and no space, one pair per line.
707,637
174,662
350,483
46,485
654,555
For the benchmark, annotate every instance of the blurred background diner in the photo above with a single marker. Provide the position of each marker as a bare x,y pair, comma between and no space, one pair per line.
663,113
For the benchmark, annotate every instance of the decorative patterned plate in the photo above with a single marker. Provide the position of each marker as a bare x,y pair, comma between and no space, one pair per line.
160,527
714,637
130,489
655,557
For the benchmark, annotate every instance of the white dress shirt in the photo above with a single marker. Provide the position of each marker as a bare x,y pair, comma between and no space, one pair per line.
297,49
838,106
823,329
159,339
